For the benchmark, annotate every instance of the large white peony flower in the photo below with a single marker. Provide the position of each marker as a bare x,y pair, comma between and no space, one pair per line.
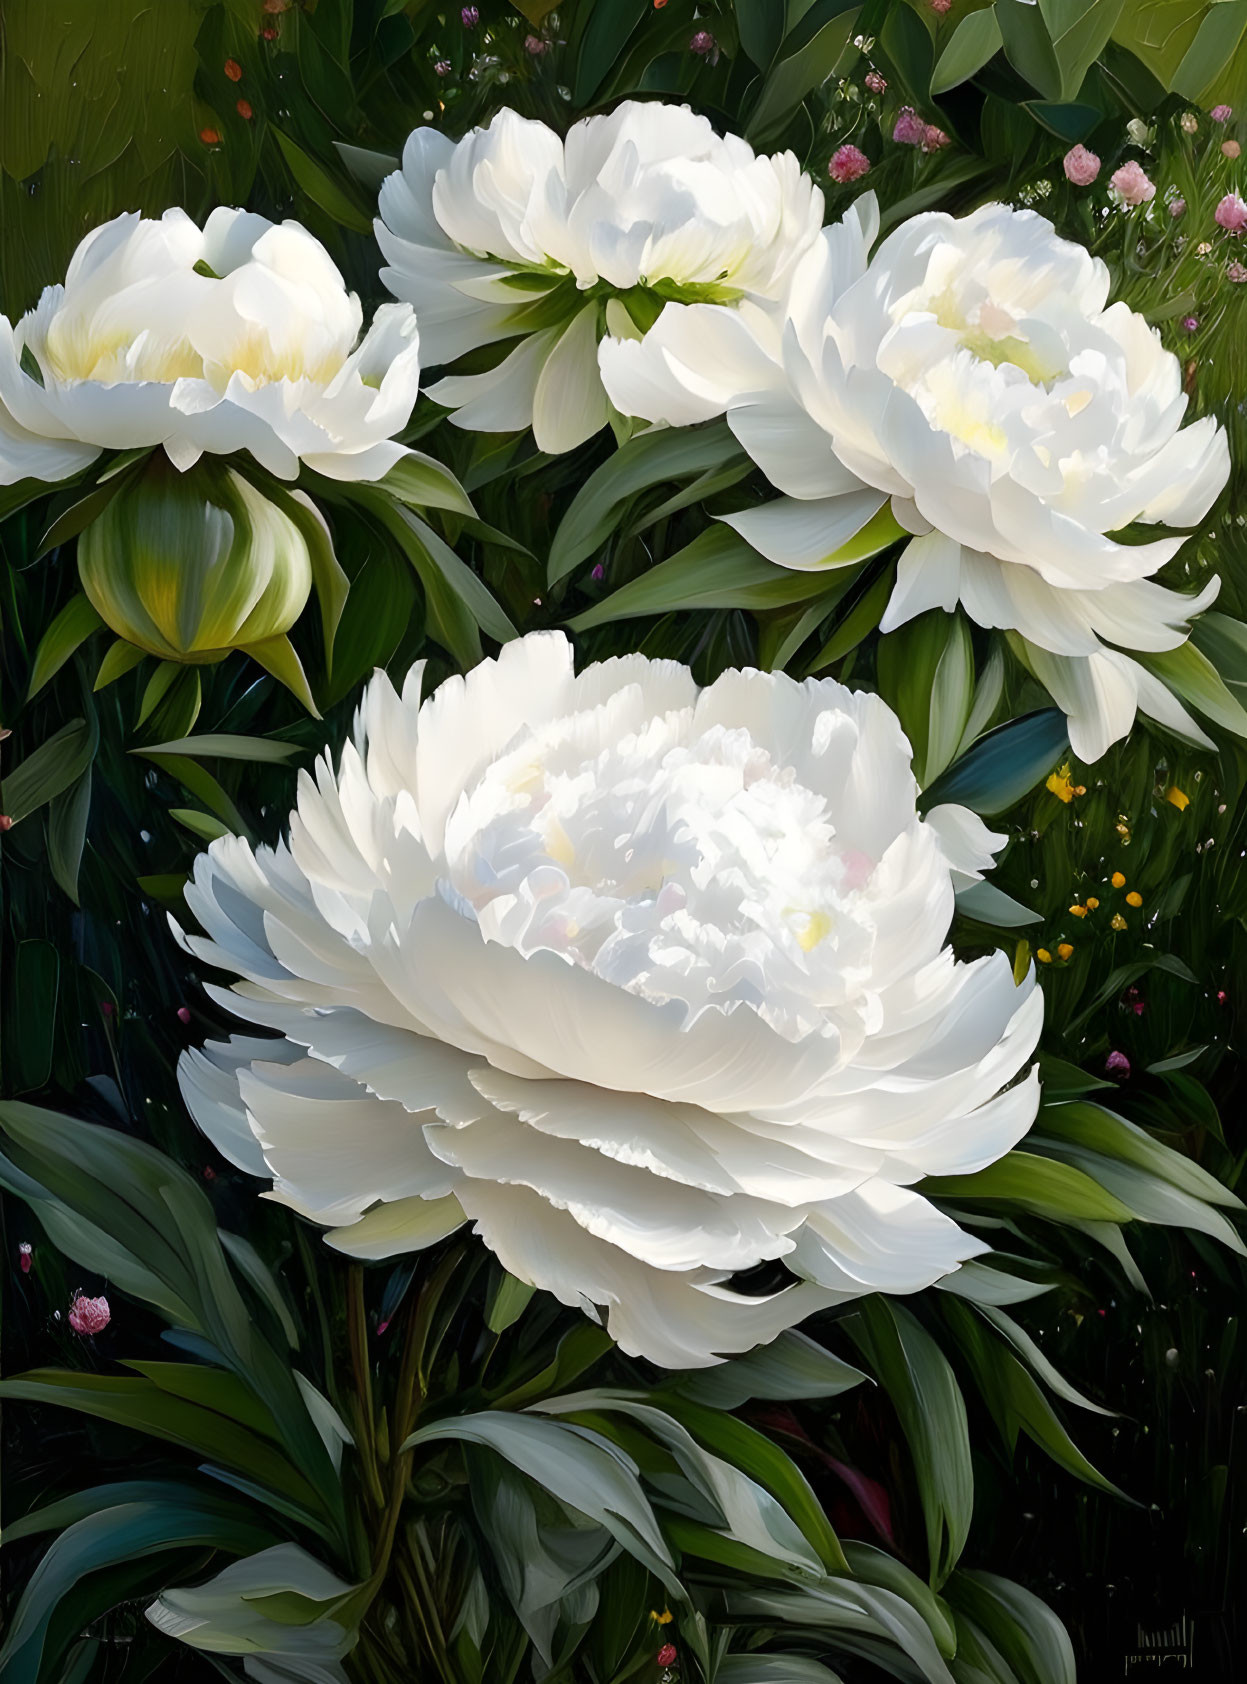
514,233
648,983
239,336
973,373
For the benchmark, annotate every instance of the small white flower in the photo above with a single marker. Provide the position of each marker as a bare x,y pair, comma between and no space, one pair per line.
973,373
515,234
648,983
239,336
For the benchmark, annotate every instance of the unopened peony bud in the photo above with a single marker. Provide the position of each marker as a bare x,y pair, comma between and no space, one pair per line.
191,565
1221,113
1231,149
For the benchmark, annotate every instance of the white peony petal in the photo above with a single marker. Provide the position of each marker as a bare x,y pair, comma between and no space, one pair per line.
805,535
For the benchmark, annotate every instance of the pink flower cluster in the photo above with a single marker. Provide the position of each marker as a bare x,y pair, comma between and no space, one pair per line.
1221,113
1081,166
1132,185
910,130
848,163
875,83
89,1316
1231,213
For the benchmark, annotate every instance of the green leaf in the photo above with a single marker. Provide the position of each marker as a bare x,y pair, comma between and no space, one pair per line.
67,833
809,56
199,824
221,746
277,656
1191,675
145,1408
761,27
119,658
1160,32
1217,40
1004,765
651,458
756,1455
69,630
50,770
717,570
792,1366
1028,46
578,1467
610,24
423,483
976,39
1039,1185
1079,33
320,186
1015,1400
1069,122
122,1531
923,1388
1092,1128
1023,1629
507,1301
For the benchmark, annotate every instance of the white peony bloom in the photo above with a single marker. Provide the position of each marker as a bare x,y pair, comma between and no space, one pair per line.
514,234
973,373
648,983
239,336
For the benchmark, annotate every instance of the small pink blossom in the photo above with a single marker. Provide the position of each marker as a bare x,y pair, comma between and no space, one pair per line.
703,44
941,6
469,17
875,83
1177,208
598,573
1222,996
1117,1064
534,46
1132,184
1231,149
1191,323
666,1655
89,1316
910,130
847,163
25,1253
1231,213
184,1014
1080,166
1221,113
1236,272
933,138
443,67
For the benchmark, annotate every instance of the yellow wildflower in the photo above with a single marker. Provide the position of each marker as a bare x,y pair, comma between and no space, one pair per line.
1119,880
1119,923
1042,954
663,1619
1175,795
1078,911
1063,786
1134,898
1092,903
1064,951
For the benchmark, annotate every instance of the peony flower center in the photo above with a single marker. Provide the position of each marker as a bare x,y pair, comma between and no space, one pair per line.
686,868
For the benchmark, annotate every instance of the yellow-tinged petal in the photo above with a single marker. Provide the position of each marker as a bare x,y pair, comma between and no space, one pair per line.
1065,950
1179,800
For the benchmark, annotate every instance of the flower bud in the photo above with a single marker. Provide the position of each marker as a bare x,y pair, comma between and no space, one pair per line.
191,565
